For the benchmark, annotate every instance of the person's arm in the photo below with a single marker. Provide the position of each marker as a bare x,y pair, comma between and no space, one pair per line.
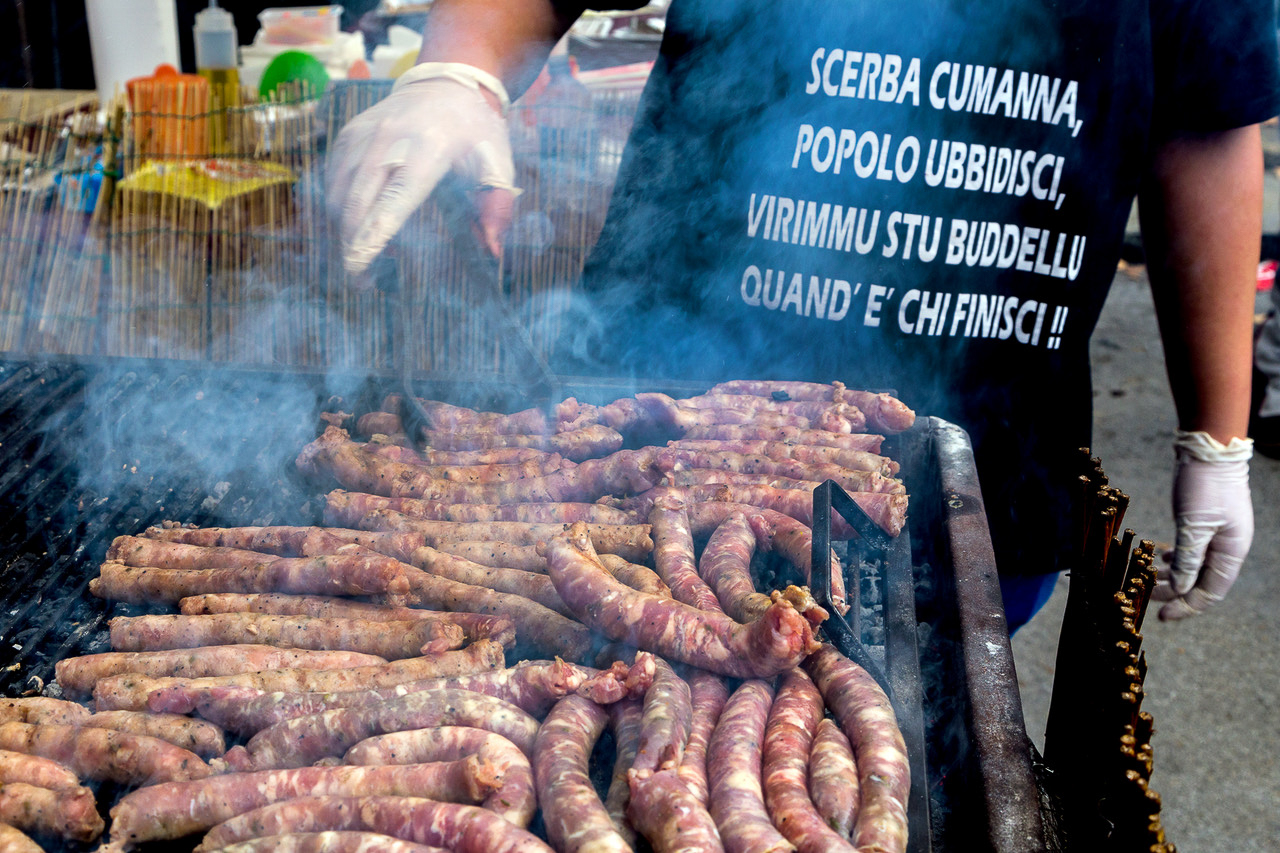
1201,211
446,114
510,39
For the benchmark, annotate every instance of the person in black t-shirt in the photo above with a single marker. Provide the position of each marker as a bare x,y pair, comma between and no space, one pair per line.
926,195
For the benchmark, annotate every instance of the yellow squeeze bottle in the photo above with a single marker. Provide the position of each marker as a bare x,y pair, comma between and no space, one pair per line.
216,61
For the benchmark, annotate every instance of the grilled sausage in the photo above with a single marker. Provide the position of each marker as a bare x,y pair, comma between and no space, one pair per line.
630,541
77,676
883,411
488,472
531,585
587,442
333,454
388,640
708,694
532,686
524,513
853,481
475,626
674,457
774,532
852,456
673,553
329,841
67,813
537,627
833,778
574,817
283,541
504,554
834,417
778,389
179,695
659,410
14,840
493,456
104,754
446,416
733,769
624,721
726,567
462,829
304,575
302,740
514,798
666,721
35,770
776,641
669,815
887,510
788,738
42,709
175,809
884,775
788,434
199,736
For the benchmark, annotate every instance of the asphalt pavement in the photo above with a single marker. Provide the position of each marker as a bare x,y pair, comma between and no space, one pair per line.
1213,685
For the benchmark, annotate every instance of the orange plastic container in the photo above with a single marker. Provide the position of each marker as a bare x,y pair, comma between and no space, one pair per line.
170,114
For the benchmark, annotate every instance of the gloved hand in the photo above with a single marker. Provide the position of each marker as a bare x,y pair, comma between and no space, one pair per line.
388,159
1214,515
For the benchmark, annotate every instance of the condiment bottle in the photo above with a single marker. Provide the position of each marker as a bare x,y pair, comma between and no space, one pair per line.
216,61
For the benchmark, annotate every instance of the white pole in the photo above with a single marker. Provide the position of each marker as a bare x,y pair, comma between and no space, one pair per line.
129,38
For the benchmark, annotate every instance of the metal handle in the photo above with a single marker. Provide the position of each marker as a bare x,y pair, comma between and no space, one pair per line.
844,636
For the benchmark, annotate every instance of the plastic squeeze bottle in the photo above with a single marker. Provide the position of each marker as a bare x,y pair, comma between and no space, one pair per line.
216,60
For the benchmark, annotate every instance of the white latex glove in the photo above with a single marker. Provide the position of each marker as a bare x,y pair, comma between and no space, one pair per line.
388,159
1214,515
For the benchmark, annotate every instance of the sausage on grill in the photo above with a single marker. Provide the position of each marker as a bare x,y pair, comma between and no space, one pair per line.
78,675
624,722
199,736
388,640
669,815
303,740
574,816
175,809
833,778
708,693
673,553
104,754
42,709
884,775
514,798
666,721
788,738
475,626
459,828
775,642
733,769
180,695
67,813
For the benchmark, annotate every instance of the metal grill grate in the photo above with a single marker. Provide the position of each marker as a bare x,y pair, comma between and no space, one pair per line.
91,451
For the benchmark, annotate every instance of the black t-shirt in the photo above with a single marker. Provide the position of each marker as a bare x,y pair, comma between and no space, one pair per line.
923,196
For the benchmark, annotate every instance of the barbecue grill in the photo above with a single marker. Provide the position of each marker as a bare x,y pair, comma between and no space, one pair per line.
89,451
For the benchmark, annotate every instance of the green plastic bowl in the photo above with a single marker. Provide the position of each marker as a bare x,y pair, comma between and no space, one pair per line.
293,66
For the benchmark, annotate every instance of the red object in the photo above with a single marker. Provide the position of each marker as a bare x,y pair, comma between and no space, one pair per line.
1267,275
